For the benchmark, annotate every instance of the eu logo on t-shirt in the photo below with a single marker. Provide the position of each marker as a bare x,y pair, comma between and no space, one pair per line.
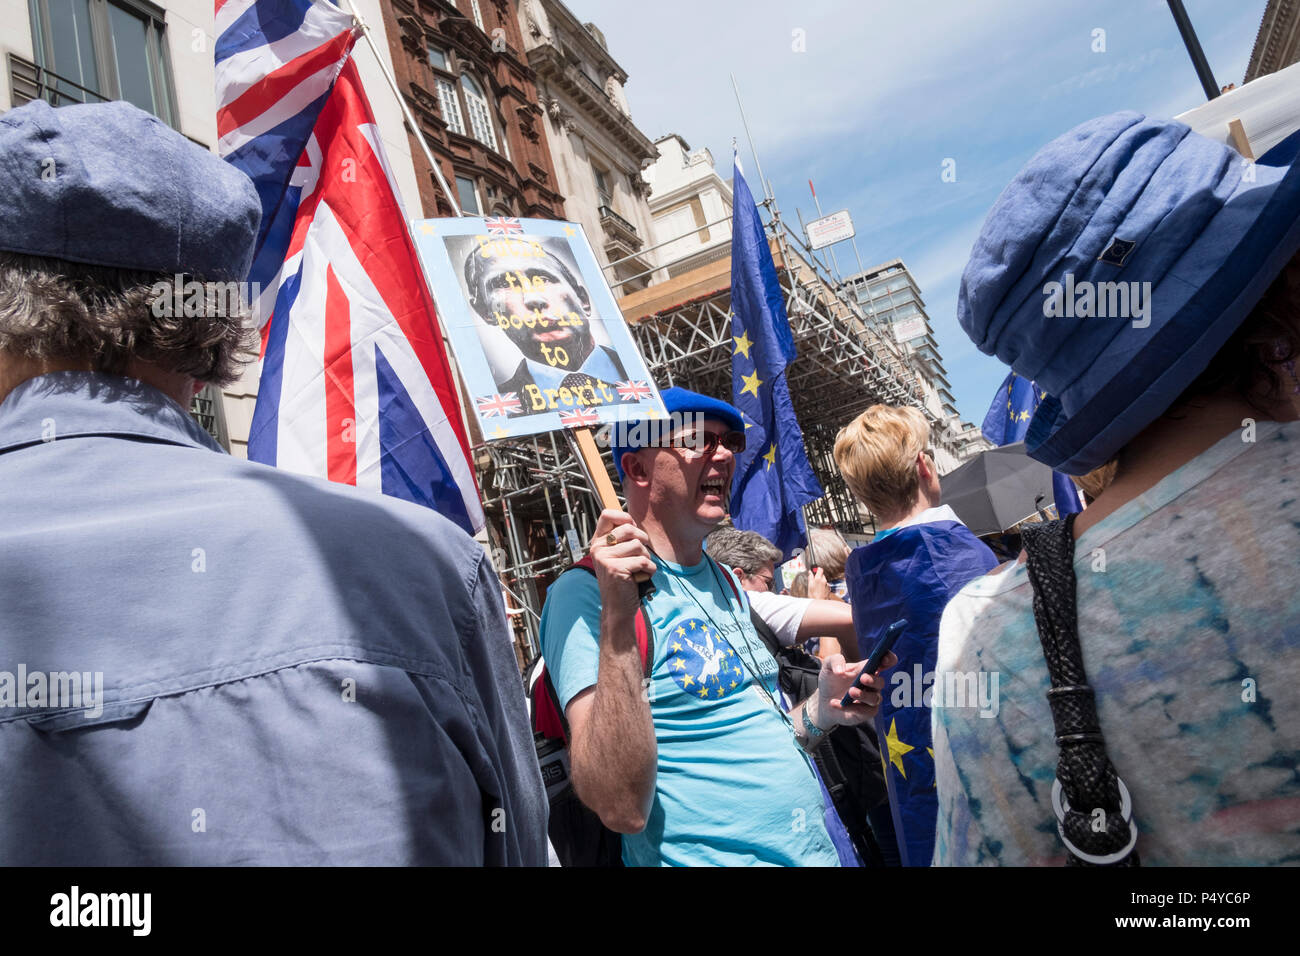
702,662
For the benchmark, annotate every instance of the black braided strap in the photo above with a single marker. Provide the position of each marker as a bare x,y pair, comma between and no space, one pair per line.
1085,779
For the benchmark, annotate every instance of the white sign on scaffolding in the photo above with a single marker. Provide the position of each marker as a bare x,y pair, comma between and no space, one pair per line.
909,329
831,229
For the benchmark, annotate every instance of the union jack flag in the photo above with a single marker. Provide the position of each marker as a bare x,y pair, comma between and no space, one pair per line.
633,391
499,406
579,418
355,385
501,226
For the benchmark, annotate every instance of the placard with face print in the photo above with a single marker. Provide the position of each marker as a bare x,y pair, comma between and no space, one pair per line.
533,324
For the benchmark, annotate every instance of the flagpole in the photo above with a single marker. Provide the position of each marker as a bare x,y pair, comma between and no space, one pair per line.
767,193
406,110
583,438
463,395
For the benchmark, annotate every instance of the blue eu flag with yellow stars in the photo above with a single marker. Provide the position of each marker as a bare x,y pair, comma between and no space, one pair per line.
1008,421
773,479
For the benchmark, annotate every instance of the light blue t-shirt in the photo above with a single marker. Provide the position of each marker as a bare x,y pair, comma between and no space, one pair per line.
733,786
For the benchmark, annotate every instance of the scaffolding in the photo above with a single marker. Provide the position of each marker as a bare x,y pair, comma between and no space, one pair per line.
541,510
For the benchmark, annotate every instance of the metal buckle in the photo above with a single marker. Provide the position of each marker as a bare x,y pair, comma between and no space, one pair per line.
1061,806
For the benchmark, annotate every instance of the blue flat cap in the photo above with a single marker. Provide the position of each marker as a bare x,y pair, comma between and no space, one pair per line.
1115,266
682,401
108,184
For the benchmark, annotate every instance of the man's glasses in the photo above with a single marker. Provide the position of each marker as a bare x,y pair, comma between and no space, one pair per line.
697,444
765,578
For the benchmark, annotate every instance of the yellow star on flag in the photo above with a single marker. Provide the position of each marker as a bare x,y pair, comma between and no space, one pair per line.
704,692
770,457
677,647
499,432
751,386
743,343
568,230
688,680
680,631
692,623
427,229
678,665
896,747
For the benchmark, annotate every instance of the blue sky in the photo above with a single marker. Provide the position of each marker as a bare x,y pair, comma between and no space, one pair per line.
885,92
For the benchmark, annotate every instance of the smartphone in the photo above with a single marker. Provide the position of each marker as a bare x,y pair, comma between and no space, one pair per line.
883,647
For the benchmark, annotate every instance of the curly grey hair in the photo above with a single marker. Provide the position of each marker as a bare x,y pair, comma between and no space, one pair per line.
55,309
747,550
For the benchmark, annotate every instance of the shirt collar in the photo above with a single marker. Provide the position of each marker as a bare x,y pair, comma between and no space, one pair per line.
76,404
929,515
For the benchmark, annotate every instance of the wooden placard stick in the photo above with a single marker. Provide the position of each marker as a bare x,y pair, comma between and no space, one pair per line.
594,466
584,443
1240,139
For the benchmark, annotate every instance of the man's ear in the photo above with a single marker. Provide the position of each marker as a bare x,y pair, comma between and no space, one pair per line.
633,468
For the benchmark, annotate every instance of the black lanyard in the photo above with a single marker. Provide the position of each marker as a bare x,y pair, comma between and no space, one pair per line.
753,670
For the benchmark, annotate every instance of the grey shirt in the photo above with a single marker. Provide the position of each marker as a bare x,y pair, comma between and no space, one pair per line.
290,671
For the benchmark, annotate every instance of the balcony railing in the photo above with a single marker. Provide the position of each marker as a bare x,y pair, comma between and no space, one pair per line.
618,221
31,82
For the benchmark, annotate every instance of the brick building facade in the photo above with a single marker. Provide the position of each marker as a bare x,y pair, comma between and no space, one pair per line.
465,77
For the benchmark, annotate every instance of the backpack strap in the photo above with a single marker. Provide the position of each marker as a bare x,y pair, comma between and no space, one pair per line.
548,716
644,633
1086,782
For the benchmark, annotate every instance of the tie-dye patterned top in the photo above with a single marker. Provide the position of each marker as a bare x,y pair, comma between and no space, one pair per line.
1189,620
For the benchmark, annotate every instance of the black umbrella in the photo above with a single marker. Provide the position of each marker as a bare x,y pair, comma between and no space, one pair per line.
997,489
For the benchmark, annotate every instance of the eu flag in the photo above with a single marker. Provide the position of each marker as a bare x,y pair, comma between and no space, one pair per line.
773,479
1008,421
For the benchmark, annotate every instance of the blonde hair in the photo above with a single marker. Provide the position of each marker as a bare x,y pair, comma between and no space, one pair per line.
827,550
876,454
799,586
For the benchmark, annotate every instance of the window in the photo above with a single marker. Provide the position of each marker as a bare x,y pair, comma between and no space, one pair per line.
602,185
469,102
449,103
104,50
480,113
467,196
478,14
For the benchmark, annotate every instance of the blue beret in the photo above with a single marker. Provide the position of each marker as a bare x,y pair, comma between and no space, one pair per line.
681,401
1114,267
108,184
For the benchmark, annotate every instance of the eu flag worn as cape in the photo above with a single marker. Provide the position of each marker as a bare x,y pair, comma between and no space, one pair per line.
773,478
1007,422
911,573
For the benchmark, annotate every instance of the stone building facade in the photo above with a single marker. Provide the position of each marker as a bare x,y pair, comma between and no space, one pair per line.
597,150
